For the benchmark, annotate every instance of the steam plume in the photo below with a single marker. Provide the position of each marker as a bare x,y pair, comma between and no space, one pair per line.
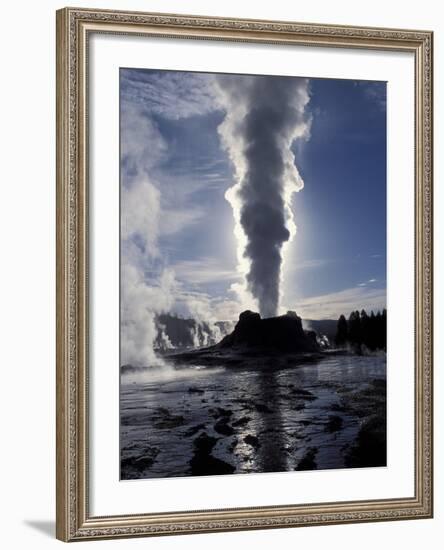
142,296
147,287
264,115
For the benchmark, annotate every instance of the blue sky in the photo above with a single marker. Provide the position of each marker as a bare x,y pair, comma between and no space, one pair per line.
180,224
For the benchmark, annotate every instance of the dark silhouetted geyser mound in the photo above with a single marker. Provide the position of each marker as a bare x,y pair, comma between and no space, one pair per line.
283,333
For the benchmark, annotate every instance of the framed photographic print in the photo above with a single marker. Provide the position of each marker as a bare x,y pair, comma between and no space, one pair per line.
244,274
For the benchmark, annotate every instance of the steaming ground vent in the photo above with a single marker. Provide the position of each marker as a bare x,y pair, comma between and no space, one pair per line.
283,333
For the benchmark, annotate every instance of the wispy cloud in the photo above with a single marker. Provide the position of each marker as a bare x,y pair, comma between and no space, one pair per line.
369,282
175,220
205,270
334,304
375,92
307,264
172,94
181,187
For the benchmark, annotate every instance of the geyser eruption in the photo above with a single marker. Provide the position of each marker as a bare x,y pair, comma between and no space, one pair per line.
264,115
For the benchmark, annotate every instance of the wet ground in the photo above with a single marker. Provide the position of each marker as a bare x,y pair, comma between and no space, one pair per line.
215,420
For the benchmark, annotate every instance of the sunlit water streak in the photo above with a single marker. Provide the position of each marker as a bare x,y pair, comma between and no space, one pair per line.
163,411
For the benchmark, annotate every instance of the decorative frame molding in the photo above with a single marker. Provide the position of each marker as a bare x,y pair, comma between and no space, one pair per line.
73,519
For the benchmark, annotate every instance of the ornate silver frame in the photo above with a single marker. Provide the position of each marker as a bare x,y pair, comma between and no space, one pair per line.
74,521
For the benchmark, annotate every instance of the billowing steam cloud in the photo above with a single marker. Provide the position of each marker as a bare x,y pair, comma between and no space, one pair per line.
264,115
146,288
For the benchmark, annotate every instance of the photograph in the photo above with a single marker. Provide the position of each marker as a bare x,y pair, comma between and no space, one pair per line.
244,293
253,273
222,225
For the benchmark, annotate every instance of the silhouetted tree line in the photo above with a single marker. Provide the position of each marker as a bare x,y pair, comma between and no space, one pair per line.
363,330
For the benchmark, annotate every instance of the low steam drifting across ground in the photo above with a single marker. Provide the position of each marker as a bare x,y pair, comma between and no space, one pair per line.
243,194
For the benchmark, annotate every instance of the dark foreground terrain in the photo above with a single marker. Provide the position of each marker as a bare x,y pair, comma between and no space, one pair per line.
310,411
